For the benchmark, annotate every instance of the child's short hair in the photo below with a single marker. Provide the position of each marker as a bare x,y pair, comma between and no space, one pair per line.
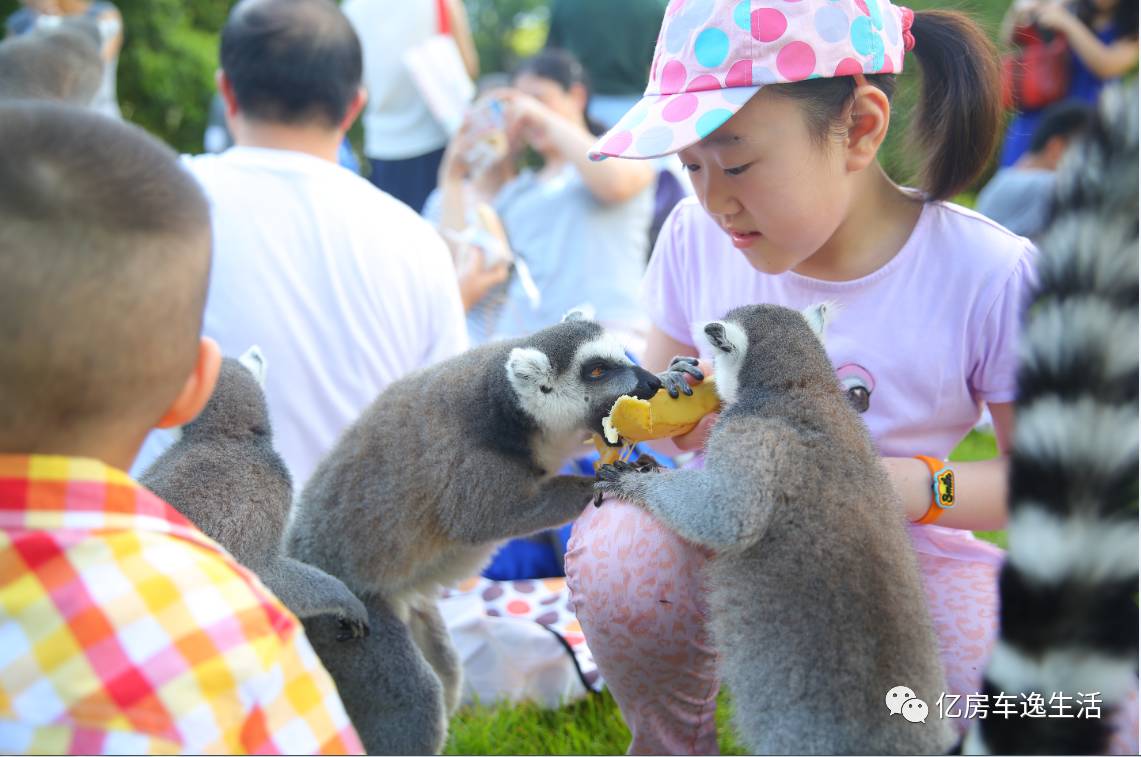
104,261
57,64
1068,119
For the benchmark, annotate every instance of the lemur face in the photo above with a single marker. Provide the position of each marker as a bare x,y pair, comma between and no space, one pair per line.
764,324
581,394
730,344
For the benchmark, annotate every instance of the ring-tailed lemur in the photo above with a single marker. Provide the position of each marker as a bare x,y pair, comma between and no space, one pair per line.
419,492
225,477
816,603
1068,589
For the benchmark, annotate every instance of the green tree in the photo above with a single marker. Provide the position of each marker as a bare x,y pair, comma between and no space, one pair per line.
495,26
167,65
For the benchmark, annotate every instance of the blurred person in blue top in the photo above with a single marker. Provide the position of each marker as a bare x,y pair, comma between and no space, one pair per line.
1021,197
577,229
1102,37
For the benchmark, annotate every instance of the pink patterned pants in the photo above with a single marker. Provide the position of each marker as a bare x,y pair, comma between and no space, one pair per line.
637,590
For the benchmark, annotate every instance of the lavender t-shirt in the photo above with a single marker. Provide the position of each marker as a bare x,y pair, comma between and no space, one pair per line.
931,335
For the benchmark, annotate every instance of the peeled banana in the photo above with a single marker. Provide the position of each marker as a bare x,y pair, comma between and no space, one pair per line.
632,420
635,420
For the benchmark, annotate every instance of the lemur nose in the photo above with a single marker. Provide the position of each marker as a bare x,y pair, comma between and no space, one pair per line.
648,384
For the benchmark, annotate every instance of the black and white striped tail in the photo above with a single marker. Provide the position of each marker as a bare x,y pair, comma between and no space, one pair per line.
1068,589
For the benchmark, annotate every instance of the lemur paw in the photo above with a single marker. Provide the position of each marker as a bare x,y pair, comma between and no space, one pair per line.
349,629
673,378
620,479
647,464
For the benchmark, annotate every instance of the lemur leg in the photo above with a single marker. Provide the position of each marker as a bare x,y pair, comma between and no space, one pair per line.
431,635
708,510
310,591
390,692
559,500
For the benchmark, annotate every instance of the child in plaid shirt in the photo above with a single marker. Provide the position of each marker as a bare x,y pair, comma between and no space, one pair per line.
122,627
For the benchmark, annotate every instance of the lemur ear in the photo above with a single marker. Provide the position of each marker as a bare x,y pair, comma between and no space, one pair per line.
255,363
579,313
725,337
819,316
528,370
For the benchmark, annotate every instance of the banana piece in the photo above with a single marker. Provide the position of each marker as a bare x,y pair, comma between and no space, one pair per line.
635,420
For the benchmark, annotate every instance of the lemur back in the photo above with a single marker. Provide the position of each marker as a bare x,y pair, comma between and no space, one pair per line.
225,477
1068,588
223,457
816,607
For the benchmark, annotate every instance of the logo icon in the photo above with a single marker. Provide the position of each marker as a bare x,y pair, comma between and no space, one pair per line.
901,700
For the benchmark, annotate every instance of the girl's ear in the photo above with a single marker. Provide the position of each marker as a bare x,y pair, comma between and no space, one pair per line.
867,126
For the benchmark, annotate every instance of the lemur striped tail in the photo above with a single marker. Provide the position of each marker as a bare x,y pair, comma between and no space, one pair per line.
1069,585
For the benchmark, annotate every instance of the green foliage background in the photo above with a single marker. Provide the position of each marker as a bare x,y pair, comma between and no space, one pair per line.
167,65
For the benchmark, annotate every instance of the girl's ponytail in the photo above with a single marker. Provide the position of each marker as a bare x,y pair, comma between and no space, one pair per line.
957,119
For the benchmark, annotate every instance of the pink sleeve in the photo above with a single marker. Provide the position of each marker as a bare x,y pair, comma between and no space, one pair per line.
664,286
993,377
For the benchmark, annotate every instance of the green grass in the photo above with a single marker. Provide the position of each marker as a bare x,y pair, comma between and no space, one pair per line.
594,725
590,726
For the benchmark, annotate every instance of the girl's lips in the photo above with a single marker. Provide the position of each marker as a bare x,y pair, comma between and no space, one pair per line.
744,239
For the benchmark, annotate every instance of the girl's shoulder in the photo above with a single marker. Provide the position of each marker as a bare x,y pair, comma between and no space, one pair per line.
965,238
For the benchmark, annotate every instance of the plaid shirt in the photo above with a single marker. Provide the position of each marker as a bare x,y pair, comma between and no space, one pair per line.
125,629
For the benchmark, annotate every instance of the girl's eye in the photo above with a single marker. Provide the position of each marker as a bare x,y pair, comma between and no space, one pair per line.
690,167
597,371
738,170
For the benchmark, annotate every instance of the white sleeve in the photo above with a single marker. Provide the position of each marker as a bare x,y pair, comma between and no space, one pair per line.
446,322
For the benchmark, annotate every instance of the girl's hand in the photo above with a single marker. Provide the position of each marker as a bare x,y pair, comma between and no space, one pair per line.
476,280
527,118
695,439
454,166
1056,17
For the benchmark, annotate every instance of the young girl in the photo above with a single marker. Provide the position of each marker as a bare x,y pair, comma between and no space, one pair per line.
777,111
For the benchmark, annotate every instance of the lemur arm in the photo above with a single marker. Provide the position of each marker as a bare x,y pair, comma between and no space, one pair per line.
697,505
715,506
308,592
502,507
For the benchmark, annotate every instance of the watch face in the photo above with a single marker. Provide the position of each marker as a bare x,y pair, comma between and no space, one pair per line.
945,487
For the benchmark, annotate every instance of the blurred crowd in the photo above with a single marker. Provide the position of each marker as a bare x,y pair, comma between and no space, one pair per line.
534,228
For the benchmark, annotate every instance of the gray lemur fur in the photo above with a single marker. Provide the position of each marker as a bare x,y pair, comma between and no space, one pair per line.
817,607
419,493
225,477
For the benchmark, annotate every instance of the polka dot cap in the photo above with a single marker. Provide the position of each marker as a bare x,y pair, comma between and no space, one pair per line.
713,55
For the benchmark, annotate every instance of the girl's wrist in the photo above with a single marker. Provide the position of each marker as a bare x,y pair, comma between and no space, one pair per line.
912,482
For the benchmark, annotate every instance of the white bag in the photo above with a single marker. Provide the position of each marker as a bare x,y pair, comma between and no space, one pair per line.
438,70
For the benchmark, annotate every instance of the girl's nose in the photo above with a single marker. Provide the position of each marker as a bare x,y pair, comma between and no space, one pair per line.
717,199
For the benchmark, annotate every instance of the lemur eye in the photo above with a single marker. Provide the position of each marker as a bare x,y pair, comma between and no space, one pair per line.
597,371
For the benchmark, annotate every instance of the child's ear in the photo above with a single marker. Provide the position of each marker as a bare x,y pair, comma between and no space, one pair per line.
867,126
226,90
198,387
360,99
